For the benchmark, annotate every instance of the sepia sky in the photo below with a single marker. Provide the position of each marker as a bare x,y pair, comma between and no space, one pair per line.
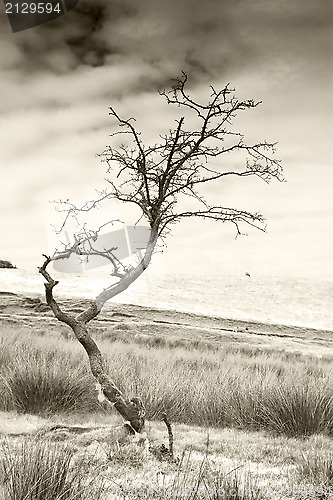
57,81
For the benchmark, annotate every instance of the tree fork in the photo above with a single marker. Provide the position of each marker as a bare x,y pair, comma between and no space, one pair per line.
154,178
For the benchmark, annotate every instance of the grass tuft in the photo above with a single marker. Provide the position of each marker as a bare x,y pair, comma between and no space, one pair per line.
233,387
40,470
45,382
300,408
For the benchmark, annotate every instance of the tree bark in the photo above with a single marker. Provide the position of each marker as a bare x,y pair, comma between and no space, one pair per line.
131,410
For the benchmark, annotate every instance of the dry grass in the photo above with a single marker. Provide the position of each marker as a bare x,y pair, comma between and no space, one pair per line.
254,422
202,480
290,395
249,389
39,377
195,479
316,470
33,469
229,460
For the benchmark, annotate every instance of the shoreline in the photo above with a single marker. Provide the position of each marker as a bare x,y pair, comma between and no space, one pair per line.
137,322
283,301
24,302
111,306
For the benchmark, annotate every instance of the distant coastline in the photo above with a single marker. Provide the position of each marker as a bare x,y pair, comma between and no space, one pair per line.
6,264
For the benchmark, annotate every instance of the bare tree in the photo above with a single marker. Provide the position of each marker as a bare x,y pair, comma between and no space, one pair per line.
155,178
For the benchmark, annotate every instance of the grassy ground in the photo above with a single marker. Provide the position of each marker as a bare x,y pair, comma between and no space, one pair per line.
256,463
252,406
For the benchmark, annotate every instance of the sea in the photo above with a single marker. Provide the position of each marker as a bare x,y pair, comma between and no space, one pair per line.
276,300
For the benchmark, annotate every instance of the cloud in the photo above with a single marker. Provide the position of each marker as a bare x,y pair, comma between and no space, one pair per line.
170,36
144,44
59,79
205,38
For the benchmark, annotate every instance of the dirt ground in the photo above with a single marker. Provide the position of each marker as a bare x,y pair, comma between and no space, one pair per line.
144,322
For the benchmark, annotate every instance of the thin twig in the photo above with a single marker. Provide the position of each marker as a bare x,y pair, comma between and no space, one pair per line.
170,433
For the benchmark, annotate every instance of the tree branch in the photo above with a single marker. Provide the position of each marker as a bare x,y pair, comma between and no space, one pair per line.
152,179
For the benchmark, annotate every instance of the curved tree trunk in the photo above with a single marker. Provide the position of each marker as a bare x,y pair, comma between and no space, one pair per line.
132,410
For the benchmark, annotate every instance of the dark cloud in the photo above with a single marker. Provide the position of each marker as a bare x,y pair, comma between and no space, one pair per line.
206,39
171,34
63,44
182,35
79,34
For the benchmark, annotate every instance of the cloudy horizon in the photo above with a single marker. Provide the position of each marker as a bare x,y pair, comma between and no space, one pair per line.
59,79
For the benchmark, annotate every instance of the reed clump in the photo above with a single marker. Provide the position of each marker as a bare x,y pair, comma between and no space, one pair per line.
230,387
